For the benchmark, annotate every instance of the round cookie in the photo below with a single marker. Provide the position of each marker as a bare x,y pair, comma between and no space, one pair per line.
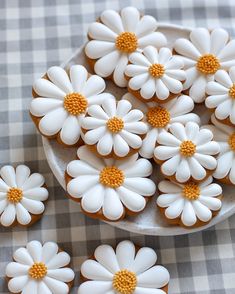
114,129
61,101
159,117
187,152
126,270
21,196
41,269
155,74
222,96
203,55
225,136
114,36
189,205
109,189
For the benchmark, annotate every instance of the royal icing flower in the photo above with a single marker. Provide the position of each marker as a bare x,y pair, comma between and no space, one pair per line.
21,195
125,270
203,55
186,152
190,202
115,36
114,127
64,100
225,136
107,187
222,95
159,117
41,269
155,74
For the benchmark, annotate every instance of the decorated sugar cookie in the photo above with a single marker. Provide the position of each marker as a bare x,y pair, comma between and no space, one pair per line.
222,95
189,204
40,269
225,136
155,74
108,188
159,117
114,36
203,55
114,128
126,270
186,152
62,101
21,196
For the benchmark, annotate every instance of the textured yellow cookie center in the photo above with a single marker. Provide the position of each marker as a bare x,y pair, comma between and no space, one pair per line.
157,70
115,124
232,91
126,42
75,103
191,191
14,195
38,270
208,64
158,116
124,282
231,141
187,148
111,176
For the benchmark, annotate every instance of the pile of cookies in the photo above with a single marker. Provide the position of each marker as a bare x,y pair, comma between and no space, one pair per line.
119,139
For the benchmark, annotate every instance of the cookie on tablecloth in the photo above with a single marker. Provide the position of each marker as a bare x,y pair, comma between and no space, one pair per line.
126,270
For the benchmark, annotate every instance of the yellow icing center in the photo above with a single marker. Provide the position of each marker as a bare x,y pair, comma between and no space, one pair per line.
126,42
232,91
157,70
75,103
125,282
191,191
115,124
14,195
231,141
158,117
38,270
208,64
187,148
111,176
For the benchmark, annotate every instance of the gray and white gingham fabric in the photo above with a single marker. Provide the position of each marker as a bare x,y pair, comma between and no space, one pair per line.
35,35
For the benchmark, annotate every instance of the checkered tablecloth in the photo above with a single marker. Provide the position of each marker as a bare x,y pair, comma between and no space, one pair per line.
37,34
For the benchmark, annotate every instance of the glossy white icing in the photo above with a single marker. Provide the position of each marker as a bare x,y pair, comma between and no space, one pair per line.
202,42
57,271
184,167
102,47
179,109
189,211
148,85
111,201
31,200
120,142
101,271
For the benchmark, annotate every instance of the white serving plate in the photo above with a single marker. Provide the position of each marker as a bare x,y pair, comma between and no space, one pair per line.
149,222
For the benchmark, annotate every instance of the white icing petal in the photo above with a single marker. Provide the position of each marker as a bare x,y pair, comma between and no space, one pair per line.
227,53
22,173
35,250
17,284
176,74
173,85
151,54
93,86
3,186
22,215
16,269
70,131
166,186
198,89
112,20
178,131
232,73
148,89
219,38
77,186
106,64
175,209
112,207
22,256
169,139
86,155
7,174
155,277
96,49
196,168
182,105
141,167
93,136
61,274
56,286
186,48
191,76
200,37
145,258
78,76
41,106
78,167
34,180
141,186
134,141
32,206
93,270
146,25
89,123
222,169
39,194
165,152
132,200
210,148
130,18
133,70
141,290
169,167
61,259
202,212
183,171
93,199
49,251
45,88
149,144
109,107
165,200
96,287
59,77
211,202
136,82
121,147
105,255
125,253
30,287
118,75
161,90
97,112
101,32
42,288
3,204
8,215
139,59
188,216
155,39
214,88
223,78
105,144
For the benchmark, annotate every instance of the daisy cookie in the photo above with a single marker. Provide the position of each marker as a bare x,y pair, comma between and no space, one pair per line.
155,74
159,117
222,96
107,188
114,128
225,136
61,101
187,152
203,55
190,204
40,269
114,36
127,270
21,196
